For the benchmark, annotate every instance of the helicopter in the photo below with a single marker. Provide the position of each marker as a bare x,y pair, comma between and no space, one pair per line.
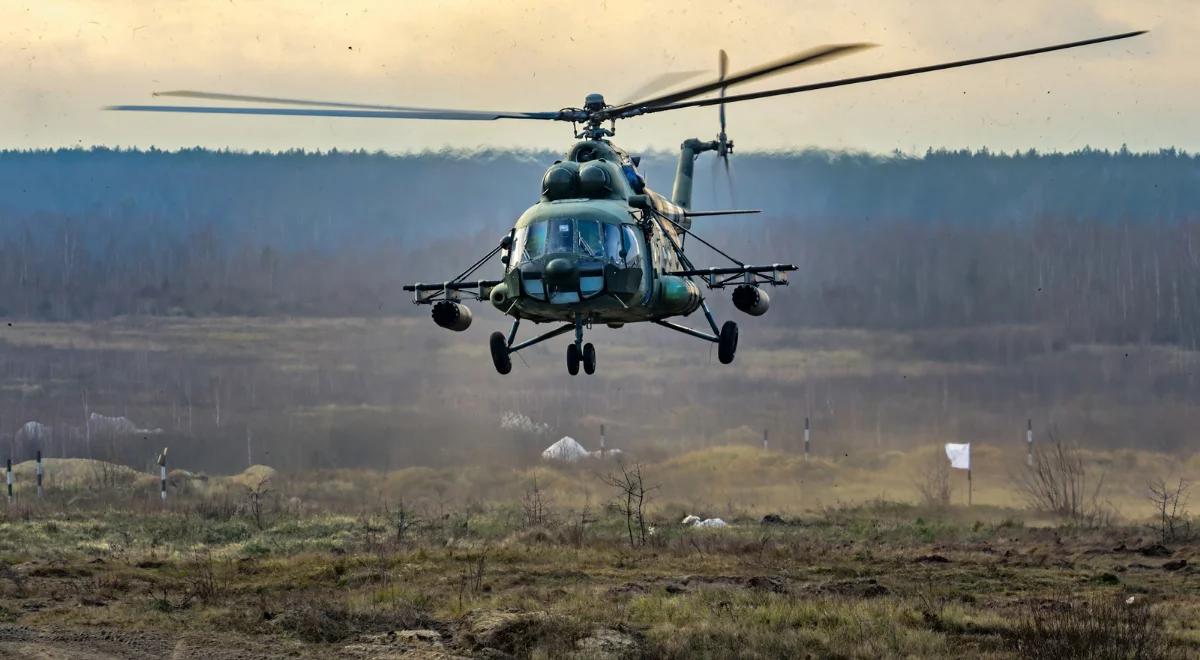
599,246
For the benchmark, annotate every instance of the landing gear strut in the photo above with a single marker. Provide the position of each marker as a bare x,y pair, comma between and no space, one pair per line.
578,352
726,338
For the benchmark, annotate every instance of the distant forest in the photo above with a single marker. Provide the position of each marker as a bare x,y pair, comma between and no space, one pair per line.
1104,246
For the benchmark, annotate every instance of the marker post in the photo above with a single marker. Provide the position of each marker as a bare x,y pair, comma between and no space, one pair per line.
162,467
1029,442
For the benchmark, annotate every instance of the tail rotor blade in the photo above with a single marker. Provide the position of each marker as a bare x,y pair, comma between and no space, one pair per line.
729,180
723,69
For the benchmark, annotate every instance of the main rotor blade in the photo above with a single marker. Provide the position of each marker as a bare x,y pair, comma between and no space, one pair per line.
810,56
890,74
662,81
431,113
704,214
220,96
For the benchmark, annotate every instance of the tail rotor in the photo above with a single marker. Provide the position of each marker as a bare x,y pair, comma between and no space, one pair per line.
724,144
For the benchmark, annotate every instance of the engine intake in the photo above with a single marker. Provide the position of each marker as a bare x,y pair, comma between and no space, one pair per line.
451,315
751,300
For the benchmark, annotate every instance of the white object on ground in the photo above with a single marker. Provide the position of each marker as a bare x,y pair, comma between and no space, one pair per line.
567,449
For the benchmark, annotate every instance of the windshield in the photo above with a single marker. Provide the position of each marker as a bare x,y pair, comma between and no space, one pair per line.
586,238
530,242
591,241
561,238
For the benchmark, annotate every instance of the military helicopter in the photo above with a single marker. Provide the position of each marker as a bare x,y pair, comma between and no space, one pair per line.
599,246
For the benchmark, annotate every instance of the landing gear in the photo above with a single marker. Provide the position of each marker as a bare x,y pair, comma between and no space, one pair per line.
500,353
577,352
573,359
589,359
580,352
727,342
726,338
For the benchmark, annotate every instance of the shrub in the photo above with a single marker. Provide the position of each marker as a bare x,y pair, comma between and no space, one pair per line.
1101,629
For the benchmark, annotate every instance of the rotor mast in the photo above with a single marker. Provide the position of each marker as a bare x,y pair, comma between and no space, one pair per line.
594,105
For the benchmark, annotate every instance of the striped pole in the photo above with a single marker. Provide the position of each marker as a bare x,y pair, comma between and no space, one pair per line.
162,467
8,475
765,443
1029,442
806,439
602,441
39,473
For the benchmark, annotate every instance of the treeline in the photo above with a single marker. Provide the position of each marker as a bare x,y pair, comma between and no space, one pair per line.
1103,245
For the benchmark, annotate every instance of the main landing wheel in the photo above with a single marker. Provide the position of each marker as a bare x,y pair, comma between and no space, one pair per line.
589,359
500,353
572,359
727,345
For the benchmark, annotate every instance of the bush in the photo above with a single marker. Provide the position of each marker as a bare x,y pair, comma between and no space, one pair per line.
1101,629
1058,481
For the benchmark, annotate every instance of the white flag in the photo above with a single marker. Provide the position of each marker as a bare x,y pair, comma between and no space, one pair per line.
959,455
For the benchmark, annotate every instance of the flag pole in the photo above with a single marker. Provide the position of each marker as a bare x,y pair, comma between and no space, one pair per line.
968,486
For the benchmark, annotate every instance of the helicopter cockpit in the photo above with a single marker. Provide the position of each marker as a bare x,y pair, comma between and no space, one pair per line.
565,260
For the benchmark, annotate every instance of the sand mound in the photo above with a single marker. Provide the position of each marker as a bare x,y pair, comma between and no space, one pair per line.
78,472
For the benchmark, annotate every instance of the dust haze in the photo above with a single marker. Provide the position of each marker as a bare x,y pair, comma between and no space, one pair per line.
247,307
966,427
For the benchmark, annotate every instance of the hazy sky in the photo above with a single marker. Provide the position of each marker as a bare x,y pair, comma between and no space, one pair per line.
60,62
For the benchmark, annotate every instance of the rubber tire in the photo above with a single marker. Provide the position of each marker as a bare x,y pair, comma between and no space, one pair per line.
727,346
572,359
589,359
500,353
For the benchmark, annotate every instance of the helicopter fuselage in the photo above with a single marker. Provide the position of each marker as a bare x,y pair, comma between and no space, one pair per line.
584,252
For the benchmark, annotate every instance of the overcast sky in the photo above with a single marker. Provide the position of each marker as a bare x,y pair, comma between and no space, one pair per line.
60,62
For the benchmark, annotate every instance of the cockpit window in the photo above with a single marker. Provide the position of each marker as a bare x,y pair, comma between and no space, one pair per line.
633,257
535,240
612,244
561,236
586,238
591,241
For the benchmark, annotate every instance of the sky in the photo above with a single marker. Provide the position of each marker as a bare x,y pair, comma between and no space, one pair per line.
61,62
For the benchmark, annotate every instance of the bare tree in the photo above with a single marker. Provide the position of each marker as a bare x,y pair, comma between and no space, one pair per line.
1170,506
1059,482
402,518
631,500
256,496
933,481
536,506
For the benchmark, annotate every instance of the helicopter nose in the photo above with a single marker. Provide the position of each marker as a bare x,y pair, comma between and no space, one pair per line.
559,271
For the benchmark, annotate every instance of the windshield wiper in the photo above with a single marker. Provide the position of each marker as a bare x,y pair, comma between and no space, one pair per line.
583,244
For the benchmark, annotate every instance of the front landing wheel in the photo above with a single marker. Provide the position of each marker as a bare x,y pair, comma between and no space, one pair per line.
727,345
572,359
500,353
589,359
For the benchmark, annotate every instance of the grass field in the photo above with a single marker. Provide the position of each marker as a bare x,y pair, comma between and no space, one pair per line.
472,562
399,518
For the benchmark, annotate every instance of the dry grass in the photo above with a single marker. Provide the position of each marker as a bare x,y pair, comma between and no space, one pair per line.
331,572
